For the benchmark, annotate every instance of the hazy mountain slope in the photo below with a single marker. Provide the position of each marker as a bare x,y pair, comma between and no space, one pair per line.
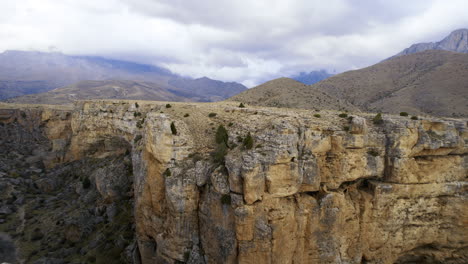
285,92
457,41
433,82
213,89
112,89
311,77
23,72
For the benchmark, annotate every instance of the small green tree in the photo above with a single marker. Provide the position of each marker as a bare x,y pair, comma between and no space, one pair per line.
414,118
403,114
219,153
248,141
377,120
173,129
343,115
222,136
317,115
241,105
211,114
137,105
168,105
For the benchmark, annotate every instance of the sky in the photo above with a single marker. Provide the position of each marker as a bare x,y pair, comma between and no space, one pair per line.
238,40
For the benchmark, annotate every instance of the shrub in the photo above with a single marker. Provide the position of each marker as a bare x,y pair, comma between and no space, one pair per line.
241,105
86,183
373,152
219,153
377,120
226,199
230,124
139,123
259,146
317,115
211,114
346,128
136,114
186,256
137,138
222,136
414,118
403,114
239,139
248,141
186,115
137,105
168,105
36,235
23,115
343,115
167,173
173,129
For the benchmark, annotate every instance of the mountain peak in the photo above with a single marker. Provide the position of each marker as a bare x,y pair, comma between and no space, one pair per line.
456,41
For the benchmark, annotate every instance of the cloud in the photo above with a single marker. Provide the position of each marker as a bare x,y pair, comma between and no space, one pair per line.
244,41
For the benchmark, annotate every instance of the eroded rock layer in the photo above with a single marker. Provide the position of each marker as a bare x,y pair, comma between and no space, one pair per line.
277,186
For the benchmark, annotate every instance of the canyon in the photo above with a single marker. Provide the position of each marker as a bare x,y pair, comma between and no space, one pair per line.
153,182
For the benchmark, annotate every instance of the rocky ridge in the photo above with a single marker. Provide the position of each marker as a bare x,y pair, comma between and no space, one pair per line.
282,186
457,41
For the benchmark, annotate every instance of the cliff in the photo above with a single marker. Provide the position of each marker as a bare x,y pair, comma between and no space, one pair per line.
273,186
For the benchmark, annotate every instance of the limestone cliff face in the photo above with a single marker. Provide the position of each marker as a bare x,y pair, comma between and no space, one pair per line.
310,190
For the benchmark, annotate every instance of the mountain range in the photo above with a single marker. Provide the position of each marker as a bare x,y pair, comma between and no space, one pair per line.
26,72
417,81
426,78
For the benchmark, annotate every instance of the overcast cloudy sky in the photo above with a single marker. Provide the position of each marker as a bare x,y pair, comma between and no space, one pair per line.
248,41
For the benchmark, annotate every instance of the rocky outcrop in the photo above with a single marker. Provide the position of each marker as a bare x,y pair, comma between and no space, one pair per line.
457,41
304,190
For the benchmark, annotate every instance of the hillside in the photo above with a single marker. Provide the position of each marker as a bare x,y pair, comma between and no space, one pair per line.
25,72
431,82
285,92
457,41
112,89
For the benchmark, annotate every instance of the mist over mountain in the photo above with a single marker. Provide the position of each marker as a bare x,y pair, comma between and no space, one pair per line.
27,72
311,77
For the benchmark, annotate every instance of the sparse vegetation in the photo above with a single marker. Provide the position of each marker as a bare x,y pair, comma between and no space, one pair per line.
219,153
137,138
377,120
403,114
168,105
373,152
317,115
86,183
222,136
173,129
343,115
212,114
167,173
248,141
241,105
414,118
226,199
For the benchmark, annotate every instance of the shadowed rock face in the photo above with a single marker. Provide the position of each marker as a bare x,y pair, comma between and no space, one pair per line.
310,190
